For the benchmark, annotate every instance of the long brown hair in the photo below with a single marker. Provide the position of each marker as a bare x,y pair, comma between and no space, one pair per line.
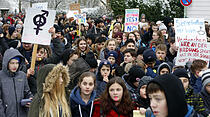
125,107
78,50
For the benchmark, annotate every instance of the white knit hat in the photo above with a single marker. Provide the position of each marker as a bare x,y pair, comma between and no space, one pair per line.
206,77
162,27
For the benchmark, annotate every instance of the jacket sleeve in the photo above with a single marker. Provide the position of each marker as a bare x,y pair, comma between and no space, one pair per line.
27,92
58,49
2,114
4,45
96,110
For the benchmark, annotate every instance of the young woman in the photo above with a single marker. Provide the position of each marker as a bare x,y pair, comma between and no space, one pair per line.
103,76
83,95
115,101
82,47
50,99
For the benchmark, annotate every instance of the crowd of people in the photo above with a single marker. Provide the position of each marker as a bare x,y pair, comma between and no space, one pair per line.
95,69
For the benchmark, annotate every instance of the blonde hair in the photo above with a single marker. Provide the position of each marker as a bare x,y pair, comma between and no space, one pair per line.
54,93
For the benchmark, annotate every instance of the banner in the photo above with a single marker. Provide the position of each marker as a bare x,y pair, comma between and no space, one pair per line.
131,19
72,14
81,18
41,6
36,26
190,36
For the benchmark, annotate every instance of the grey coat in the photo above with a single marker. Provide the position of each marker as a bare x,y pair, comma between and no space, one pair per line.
13,88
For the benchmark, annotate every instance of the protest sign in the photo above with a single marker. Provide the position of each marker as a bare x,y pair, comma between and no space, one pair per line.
191,50
81,18
131,19
42,6
74,6
36,26
73,14
189,29
190,36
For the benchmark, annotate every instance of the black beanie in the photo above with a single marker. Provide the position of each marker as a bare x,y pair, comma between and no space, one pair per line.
181,72
135,74
11,30
90,59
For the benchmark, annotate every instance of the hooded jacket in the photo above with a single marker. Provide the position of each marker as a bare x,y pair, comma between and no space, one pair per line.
78,106
163,65
13,87
46,78
206,97
175,95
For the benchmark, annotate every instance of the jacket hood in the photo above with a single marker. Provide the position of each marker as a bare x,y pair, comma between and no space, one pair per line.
48,75
175,94
78,67
163,65
8,55
75,95
129,87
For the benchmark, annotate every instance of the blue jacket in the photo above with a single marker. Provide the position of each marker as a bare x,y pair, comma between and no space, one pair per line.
196,83
78,106
150,72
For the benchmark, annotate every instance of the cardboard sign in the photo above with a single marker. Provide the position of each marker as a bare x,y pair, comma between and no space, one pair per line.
42,6
131,19
190,36
36,26
191,50
74,6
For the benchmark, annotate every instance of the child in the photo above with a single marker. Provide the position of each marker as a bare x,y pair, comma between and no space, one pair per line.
50,99
132,79
205,92
103,76
99,44
192,99
197,67
115,101
83,95
149,60
160,53
112,57
13,85
166,100
164,68
142,101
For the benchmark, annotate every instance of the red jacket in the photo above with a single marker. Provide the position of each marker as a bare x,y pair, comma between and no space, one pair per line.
96,112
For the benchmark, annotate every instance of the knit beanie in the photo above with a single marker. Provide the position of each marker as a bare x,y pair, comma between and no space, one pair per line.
181,72
112,53
11,30
206,77
144,81
135,74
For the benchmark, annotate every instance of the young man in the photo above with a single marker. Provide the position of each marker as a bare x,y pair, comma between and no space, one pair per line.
13,86
129,57
192,99
196,69
166,100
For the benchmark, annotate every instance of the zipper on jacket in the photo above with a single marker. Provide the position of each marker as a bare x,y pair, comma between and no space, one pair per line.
15,95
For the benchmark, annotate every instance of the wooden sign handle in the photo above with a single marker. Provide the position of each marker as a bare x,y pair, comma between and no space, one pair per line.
33,61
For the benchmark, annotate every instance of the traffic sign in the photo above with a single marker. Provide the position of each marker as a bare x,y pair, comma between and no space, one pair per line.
186,2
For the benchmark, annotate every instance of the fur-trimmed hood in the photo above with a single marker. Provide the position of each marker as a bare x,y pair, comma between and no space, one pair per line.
48,75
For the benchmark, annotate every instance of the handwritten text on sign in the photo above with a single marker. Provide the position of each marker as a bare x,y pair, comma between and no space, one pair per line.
189,29
191,50
36,26
131,19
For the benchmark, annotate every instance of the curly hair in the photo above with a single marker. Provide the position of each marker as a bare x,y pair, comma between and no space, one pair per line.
125,107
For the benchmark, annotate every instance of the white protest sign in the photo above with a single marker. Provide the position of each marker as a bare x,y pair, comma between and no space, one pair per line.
42,6
36,26
189,29
131,19
191,50
81,18
73,14
190,36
